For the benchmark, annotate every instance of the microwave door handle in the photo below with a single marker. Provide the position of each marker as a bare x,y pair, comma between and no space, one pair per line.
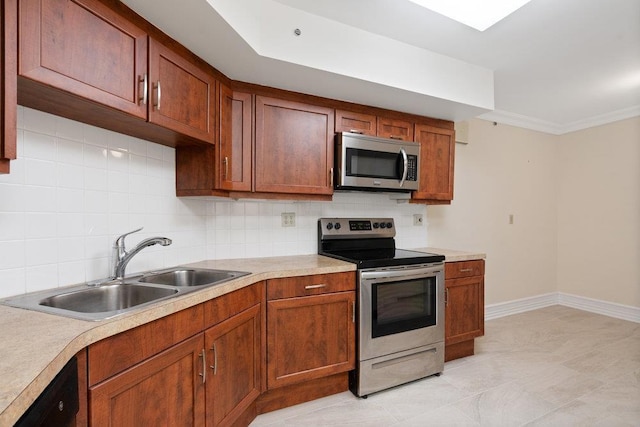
405,164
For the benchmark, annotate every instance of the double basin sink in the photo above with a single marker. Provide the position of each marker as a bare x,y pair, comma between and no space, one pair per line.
103,300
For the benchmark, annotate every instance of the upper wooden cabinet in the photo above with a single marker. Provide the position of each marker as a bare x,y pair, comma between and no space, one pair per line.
369,124
349,121
293,147
234,155
182,96
85,48
437,151
90,50
395,129
8,82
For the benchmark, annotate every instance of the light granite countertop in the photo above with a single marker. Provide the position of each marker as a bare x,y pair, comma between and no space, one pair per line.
454,255
37,345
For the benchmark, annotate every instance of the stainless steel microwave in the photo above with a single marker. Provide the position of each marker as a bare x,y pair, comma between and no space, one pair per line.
376,164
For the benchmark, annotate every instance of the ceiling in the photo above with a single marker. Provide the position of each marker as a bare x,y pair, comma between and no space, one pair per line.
556,66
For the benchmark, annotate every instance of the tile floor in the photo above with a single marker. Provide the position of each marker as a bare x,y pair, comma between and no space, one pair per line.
555,366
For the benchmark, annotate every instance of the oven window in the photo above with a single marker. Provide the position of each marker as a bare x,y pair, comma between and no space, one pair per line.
373,164
403,306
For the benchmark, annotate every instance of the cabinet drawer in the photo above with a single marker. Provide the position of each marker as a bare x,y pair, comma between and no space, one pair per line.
454,270
310,285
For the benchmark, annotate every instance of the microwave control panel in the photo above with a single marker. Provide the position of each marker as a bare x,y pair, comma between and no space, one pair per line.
412,168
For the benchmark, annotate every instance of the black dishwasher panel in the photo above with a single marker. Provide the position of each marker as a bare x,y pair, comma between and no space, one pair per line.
58,403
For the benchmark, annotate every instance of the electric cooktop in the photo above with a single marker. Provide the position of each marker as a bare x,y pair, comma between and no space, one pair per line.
367,242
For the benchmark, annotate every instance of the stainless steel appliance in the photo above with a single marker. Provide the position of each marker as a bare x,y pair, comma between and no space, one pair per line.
376,164
400,303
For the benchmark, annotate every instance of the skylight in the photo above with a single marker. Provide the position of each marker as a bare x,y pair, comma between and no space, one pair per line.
478,14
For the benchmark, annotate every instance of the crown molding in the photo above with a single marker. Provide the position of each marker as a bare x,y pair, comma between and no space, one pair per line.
553,128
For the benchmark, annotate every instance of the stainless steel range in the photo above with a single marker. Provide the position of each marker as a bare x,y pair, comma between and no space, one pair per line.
400,307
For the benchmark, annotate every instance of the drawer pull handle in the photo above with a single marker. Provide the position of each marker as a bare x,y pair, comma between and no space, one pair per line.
204,366
158,95
145,90
308,287
359,132
466,270
395,137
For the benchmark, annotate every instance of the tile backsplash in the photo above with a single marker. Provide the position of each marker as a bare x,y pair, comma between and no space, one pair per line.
74,188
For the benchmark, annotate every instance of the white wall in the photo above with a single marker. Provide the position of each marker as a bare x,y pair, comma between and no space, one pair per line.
576,205
75,187
504,171
599,213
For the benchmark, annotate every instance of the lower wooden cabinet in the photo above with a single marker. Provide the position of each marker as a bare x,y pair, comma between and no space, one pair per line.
210,379
165,390
464,309
310,328
208,365
233,363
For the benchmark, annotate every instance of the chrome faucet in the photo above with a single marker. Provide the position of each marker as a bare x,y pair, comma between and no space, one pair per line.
121,257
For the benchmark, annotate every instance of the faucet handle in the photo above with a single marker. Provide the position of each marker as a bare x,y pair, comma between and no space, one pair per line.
120,240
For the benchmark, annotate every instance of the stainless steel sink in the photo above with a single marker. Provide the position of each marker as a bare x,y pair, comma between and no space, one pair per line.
107,298
191,277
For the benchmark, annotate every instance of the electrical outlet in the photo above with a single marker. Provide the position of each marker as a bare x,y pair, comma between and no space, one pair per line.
417,219
288,219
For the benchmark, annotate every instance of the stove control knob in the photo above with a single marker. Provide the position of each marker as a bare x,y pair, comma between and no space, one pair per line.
329,226
338,226
383,225
389,225
376,225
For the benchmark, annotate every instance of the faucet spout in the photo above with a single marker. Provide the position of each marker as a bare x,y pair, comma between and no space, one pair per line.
122,256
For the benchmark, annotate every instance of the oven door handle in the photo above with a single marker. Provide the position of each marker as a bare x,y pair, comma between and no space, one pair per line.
406,273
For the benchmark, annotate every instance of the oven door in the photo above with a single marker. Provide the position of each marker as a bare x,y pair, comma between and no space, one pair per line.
400,308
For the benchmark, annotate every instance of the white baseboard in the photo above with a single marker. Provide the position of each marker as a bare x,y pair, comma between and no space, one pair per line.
508,308
611,309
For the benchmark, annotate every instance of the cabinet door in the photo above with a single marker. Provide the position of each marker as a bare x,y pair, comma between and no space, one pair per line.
165,390
395,129
310,337
8,83
234,159
437,151
348,121
294,147
83,47
234,356
464,312
182,96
